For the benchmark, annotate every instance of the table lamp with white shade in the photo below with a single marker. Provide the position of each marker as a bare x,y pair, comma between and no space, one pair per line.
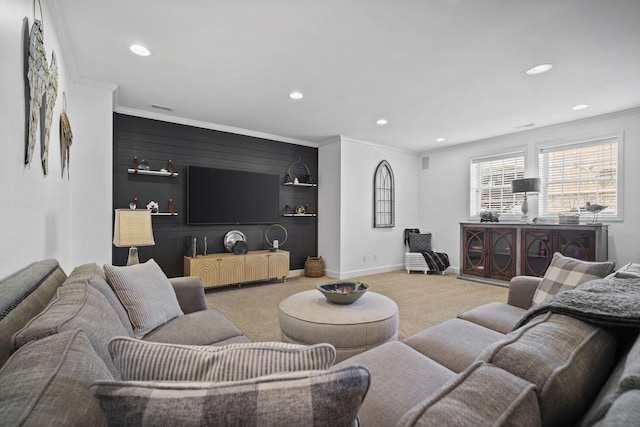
132,227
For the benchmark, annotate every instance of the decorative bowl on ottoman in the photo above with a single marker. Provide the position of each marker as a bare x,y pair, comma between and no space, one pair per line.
342,292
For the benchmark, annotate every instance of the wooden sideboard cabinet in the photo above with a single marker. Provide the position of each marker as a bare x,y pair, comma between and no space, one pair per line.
229,269
494,252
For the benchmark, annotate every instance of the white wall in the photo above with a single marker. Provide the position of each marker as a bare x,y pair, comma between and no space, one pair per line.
40,214
444,186
329,194
364,249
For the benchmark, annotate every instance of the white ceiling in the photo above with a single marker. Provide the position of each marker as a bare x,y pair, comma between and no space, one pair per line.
432,68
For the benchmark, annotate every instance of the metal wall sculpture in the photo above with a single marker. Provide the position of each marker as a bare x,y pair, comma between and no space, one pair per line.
43,91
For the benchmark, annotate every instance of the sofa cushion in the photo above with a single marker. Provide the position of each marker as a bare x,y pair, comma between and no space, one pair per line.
401,377
93,275
454,343
146,294
76,306
567,359
625,377
628,271
198,328
306,398
48,382
25,294
625,411
566,273
481,395
419,242
149,361
496,316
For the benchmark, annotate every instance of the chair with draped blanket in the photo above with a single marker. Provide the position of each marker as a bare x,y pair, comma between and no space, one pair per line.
420,252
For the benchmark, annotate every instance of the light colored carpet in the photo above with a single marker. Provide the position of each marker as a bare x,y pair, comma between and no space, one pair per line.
423,300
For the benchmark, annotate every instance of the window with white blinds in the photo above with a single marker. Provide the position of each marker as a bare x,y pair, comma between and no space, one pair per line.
574,174
491,184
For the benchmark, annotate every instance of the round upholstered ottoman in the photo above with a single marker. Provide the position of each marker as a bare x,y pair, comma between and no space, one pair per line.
308,318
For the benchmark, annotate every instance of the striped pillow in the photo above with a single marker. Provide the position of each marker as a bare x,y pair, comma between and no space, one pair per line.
146,294
306,398
150,361
566,273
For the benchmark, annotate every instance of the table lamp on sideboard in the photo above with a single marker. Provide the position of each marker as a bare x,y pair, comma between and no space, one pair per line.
525,185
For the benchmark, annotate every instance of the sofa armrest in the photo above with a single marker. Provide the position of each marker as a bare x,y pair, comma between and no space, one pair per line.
521,291
190,293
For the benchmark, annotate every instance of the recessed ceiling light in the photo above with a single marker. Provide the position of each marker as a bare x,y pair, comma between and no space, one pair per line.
382,122
138,49
539,69
296,95
580,107
440,139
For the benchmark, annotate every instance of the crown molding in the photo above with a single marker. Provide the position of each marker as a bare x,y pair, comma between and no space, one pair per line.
212,126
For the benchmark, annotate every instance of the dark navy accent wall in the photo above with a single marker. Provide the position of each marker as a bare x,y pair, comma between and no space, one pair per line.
157,142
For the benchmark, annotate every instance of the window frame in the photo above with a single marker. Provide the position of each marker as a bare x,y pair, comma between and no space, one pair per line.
475,187
583,142
383,196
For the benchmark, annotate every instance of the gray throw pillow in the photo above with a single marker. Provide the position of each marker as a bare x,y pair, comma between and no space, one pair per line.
149,361
419,242
566,273
146,294
304,398
76,306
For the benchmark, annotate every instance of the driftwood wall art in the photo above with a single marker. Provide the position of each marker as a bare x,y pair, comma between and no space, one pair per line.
66,137
43,91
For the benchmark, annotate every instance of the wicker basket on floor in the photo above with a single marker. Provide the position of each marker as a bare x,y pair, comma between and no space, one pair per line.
314,266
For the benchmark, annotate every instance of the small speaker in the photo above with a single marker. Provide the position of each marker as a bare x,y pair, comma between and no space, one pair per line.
425,162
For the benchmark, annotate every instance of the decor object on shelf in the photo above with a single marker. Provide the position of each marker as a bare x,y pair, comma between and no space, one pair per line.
342,292
66,137
153,206
568,218
141,165
300,210
525,185
314,266
488,216
240,247
42,91
231,238
296,180
133,228
276,243
595,209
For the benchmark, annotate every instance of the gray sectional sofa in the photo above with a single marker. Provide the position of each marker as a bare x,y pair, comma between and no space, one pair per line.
473,370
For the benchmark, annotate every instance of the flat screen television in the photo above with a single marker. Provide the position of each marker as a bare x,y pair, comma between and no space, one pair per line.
224,196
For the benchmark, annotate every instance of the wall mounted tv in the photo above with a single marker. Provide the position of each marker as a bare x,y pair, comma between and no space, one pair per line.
224,196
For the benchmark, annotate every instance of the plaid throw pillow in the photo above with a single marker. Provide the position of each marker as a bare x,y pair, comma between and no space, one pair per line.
305,398
419,242
566,273
150,361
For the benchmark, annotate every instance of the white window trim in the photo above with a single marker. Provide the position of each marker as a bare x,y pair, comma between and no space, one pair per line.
591,139
505,217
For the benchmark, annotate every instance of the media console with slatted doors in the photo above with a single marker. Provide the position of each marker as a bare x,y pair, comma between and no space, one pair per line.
223,269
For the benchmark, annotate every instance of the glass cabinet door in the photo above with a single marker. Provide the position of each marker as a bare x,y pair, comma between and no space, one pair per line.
503,253
474,252
537,251
577,244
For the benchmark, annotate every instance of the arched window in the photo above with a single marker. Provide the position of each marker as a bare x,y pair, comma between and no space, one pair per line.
383,196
